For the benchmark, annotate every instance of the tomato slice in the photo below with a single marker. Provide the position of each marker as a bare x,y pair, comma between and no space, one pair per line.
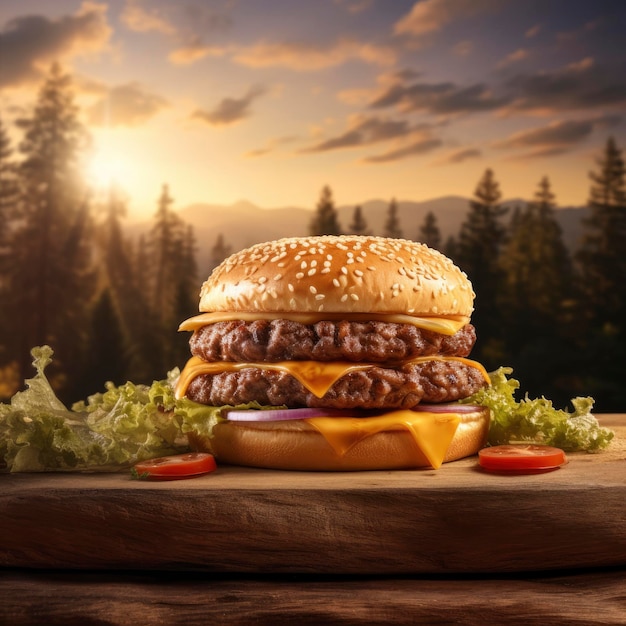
176,466
521,458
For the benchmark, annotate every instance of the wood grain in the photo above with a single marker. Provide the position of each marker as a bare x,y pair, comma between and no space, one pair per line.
62,598
457,519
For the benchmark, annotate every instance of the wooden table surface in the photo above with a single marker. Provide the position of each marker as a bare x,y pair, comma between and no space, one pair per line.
241,546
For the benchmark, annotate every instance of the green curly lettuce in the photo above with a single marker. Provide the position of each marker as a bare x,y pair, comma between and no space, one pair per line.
107,432
536,419
128,423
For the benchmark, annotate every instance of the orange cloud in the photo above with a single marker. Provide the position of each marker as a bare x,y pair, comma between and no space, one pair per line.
311,57
31,43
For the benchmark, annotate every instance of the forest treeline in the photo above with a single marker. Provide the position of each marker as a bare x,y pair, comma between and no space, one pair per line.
109,305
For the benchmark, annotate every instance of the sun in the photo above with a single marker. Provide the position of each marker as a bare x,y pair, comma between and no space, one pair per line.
106,169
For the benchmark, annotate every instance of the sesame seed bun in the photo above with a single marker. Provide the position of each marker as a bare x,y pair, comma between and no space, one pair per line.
339,274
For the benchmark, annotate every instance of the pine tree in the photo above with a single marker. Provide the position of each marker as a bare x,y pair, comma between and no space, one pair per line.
602,265
52,279
186,298
325,220
107,349
358,226
219,251
602,255
164,237
429,232
392,225
9,191
166,257
479,244
536,294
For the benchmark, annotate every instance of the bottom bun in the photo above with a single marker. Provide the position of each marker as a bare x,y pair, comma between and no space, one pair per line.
296,445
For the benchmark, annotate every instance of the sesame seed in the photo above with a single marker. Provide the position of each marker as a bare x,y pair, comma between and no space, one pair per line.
336,282
300,275
358,273
344,270
303,265
354,296
325,270
319,296
344,297
311,272
313,263
290,287
312,289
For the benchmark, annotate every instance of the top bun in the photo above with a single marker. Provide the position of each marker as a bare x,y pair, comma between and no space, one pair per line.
339,274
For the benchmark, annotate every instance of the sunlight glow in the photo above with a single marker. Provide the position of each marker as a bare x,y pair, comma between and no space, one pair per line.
105,170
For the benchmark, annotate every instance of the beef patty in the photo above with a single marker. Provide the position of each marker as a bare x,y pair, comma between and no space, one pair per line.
377,387
285,340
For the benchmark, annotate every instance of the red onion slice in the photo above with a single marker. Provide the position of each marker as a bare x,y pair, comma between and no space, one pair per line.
448,407
274,415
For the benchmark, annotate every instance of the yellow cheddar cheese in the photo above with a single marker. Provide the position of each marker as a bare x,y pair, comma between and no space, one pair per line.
443,325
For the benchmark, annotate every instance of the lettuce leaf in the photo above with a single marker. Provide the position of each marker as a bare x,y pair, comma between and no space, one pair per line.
124,424
109,431
536,419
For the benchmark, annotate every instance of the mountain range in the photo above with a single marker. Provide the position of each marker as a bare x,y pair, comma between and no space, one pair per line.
243,224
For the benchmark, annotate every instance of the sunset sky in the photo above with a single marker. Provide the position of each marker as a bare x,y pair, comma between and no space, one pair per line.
269,100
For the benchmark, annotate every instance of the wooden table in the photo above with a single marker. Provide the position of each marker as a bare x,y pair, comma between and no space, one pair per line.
244,546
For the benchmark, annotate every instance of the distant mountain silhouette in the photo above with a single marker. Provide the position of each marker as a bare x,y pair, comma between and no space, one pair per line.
243,224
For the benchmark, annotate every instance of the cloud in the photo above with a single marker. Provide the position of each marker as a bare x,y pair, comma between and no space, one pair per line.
140,19
271,146
186,25
581,85
419,147
230,110
125,105
514,57
30,44
459,156
354,6
429,16
533,31
406,139
194,51
438,98
313,57
556,137
363,131
463,48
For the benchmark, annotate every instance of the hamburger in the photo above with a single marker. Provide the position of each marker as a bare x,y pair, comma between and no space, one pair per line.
357,347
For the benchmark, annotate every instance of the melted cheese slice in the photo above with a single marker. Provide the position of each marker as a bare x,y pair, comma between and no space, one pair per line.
317,376
444,325
432,433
